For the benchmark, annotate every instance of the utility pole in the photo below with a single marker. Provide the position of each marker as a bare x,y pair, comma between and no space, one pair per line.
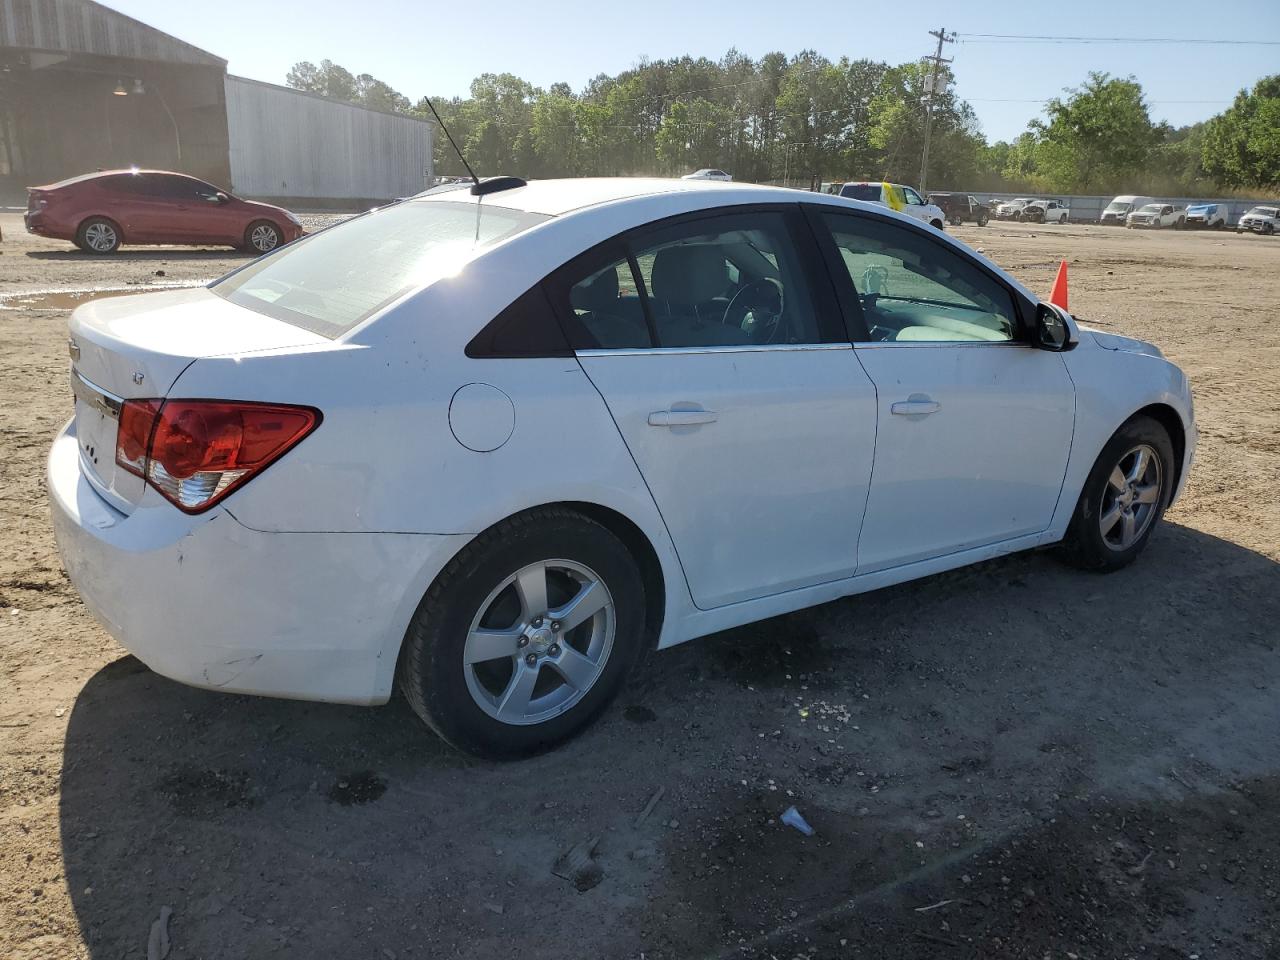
943,37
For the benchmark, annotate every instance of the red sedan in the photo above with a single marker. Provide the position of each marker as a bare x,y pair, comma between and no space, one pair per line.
100,211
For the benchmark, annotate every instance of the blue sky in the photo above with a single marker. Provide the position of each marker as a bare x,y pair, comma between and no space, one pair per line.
438,48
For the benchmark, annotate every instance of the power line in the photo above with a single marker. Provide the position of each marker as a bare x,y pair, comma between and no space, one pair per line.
1037,38
932,92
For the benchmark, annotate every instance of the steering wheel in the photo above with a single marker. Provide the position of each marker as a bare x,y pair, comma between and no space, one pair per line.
771,300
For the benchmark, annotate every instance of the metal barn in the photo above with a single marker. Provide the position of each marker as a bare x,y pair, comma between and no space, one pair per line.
297,146
83,88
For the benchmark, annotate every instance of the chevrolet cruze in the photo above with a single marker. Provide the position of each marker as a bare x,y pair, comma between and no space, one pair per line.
491,443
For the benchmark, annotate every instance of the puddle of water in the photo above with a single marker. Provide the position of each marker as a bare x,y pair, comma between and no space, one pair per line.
70,299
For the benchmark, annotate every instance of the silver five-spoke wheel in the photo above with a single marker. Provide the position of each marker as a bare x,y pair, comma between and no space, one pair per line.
539,642
1131,497
100,236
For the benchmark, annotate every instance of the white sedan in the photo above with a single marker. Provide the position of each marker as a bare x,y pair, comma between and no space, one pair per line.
708,174
492,446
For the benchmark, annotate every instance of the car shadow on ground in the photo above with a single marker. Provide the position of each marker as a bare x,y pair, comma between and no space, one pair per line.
128,256
1015,709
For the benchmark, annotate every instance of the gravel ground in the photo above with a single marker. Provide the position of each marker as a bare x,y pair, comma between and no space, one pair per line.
1016,760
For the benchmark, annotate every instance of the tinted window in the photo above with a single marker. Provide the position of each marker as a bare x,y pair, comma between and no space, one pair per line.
332,280
861,191
912,288
527,328
607,309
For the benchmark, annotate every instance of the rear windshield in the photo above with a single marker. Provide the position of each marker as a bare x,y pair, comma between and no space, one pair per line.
330,282
861,191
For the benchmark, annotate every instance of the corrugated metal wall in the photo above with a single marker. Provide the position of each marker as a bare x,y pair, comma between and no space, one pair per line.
289,144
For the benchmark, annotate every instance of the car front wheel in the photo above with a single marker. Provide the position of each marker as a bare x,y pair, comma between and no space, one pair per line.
526,636
262,237
1123,499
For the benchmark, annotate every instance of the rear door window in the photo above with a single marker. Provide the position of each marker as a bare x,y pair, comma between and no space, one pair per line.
332,280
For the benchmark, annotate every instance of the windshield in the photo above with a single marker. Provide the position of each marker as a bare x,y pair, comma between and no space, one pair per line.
1262,212
1118,206
331,281
1151,208
861,191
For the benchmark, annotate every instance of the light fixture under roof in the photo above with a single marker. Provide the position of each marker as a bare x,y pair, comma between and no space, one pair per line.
120,91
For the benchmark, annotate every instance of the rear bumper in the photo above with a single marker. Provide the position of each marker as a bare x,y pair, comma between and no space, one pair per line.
210,602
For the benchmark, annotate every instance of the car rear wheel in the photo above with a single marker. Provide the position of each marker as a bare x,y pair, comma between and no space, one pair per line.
98,235
526,636
262,237
1123,499
982,221
936,224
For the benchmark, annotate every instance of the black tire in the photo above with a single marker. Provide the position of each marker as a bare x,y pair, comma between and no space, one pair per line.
937,225
982,221
431,672
954,221
1084,545
1268,229
99,227
262,236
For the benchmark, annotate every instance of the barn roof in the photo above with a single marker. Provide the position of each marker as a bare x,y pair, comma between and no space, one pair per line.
85,27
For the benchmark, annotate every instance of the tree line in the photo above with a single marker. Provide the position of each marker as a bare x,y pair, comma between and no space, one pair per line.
807,119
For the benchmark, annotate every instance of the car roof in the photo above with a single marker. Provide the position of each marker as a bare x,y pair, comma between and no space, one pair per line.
98,174
557,197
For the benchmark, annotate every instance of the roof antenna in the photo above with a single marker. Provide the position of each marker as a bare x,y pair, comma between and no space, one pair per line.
474,179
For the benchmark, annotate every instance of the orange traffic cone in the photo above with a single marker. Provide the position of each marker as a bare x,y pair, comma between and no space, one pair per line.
1058,296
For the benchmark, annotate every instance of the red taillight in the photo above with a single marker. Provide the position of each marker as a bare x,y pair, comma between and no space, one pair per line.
198,451
133,436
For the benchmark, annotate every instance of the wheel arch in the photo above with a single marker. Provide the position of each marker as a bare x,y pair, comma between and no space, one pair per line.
1168,418
80,224
637,542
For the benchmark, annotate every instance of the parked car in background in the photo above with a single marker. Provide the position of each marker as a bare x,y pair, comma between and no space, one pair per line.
1120,208
707,174
1046,211
959,207
1011,209
1260,220
100,211
1210,216
602,415
906,200
1156,216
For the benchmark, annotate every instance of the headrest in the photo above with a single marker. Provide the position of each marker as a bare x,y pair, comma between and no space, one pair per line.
598,294
689,273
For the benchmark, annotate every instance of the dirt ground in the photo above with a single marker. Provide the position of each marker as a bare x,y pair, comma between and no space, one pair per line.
1016,760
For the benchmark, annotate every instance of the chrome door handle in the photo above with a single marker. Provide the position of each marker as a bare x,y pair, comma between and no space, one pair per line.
915,407
681,418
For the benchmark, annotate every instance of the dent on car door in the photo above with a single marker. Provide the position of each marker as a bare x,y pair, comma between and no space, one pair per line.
723,360
974,424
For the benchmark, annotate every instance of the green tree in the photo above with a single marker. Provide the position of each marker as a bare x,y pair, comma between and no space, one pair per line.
1241,146
1101,134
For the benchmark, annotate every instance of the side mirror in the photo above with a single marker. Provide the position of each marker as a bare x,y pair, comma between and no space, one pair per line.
221,197
1053,331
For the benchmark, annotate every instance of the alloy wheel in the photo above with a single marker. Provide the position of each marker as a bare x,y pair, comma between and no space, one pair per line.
539,642
1131,497
263,237
100,237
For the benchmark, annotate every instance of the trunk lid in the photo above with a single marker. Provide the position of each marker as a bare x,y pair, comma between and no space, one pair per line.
135,347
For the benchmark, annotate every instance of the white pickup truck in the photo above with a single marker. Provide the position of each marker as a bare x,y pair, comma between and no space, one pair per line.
1046,211
1157,216
1260,220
